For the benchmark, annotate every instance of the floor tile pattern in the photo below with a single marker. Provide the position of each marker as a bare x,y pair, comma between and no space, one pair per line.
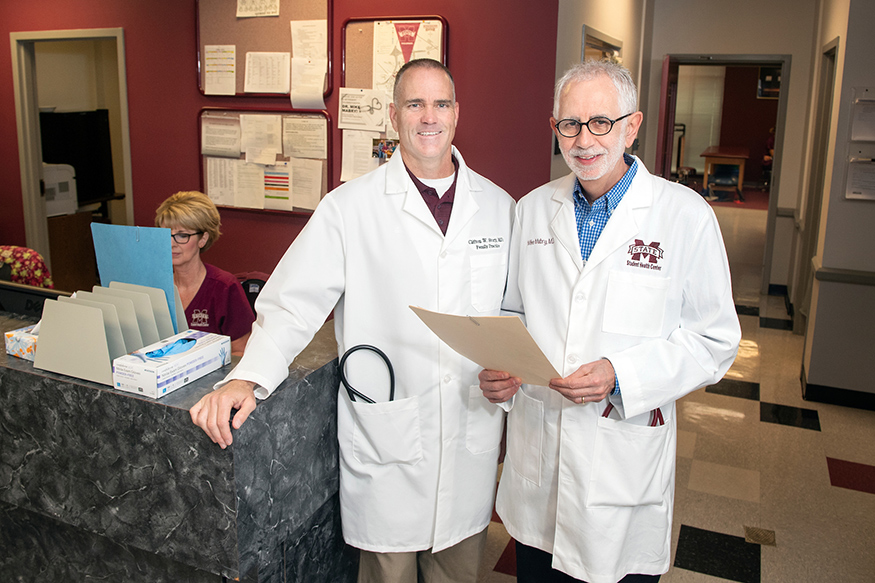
736,388
792,416
851,475
720,555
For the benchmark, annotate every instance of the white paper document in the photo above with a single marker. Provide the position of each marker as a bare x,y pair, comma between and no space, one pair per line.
221,180
308,81
310,39
399,41
255,8
249,180
220,69
307,180
494,342
362,109
861,179
357,156
278,187
305,137
863,121
261,137
267,73
220,136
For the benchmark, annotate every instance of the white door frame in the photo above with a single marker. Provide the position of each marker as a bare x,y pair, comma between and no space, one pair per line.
27,123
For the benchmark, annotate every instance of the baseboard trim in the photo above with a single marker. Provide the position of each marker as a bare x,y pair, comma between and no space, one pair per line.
836,396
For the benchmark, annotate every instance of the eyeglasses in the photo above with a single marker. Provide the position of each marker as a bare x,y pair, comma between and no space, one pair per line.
182,238
597,126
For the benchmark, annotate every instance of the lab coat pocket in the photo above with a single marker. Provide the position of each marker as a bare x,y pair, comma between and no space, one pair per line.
635,304
488,278
387,433
629,468
524,440
483,430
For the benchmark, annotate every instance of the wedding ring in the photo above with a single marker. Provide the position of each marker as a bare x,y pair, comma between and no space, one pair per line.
582,399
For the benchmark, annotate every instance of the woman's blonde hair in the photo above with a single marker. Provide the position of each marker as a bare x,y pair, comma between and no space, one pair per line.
190,210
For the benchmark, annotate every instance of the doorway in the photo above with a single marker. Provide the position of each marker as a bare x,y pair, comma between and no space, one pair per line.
800,292
666,149
72,248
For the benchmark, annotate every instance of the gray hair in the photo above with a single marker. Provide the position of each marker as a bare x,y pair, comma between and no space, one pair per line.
421,64
590,69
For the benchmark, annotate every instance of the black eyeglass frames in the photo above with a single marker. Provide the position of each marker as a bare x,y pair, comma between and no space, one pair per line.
597,126
182,238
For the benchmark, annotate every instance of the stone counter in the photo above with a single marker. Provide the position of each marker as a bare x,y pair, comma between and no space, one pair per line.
98,484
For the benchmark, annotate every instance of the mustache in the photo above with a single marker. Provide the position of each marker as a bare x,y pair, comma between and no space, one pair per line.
585,152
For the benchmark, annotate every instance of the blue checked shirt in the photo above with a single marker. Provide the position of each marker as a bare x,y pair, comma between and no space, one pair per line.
592,218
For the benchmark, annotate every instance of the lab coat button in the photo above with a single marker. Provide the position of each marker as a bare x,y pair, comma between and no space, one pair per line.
580,297
572,359
448,378
444,255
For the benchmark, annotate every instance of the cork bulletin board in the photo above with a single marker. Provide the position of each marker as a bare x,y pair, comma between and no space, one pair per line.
295,176
218,24
358,47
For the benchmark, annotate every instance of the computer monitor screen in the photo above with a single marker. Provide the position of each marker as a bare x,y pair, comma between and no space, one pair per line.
82,140
25,300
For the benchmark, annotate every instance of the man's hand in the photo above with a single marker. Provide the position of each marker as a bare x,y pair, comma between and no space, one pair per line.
213,411
590,383
498,386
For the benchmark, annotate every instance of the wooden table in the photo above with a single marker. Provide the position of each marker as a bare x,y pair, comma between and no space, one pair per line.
729,155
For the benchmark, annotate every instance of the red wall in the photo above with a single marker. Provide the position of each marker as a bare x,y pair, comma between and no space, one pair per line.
504,88
746,120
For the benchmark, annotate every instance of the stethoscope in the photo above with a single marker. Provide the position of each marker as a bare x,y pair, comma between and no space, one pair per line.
353,393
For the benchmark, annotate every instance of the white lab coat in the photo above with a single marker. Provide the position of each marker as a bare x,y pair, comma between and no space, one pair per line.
419,472
597,493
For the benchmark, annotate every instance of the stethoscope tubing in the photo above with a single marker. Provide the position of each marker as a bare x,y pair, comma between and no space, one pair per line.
352,392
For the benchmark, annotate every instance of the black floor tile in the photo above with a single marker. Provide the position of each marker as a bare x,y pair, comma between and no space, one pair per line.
793,416
776,323
736,388
718,555
747,310
777,290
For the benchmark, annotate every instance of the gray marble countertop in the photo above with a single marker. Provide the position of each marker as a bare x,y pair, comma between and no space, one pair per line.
321,350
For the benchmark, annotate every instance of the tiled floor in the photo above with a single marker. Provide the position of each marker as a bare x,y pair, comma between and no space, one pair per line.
770,488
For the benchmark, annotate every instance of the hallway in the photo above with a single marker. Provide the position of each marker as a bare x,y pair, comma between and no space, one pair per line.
755,461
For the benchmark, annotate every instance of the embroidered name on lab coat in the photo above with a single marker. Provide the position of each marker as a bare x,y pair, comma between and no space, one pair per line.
486,242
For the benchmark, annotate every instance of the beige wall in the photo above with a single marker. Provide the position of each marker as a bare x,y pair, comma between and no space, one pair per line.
620,19
841,323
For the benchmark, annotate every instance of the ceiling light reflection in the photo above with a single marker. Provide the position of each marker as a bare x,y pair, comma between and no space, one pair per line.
705,415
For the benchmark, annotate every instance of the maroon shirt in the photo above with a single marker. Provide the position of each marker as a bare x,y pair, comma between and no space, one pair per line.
440,207
220,306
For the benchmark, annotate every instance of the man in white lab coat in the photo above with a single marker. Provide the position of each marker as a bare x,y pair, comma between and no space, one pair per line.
417,475
623,281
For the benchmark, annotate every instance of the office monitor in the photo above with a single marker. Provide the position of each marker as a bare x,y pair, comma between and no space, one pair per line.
82,140
26,300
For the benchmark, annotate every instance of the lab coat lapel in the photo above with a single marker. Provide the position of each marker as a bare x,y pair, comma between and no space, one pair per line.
564,223
398,182
623,225
464,204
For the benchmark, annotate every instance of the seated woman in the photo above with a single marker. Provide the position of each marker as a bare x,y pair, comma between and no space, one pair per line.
213,299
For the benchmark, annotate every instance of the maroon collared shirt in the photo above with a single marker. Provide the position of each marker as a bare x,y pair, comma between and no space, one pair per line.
440,206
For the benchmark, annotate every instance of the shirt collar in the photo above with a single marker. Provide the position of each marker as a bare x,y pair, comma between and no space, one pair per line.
424,189
612,197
